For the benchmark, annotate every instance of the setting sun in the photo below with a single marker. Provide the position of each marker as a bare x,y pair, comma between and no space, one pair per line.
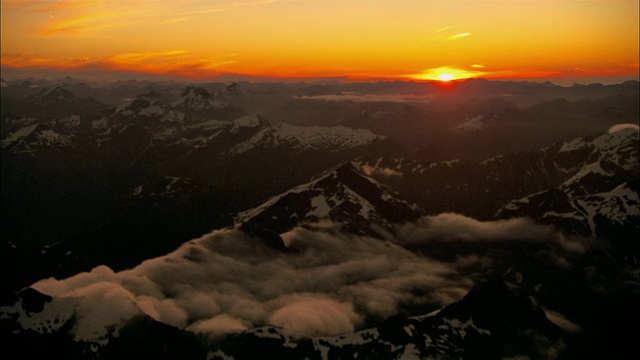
446,73
445,77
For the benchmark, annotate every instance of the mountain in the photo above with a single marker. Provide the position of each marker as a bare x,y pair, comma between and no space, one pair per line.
50,103
473,120
108,214
496,319
600,192
198,101
302,139
196,120
195,105
566,184
149,163
343,195
30,138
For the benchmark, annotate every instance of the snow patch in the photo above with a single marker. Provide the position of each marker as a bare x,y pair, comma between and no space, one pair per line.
475,124
21,133
320,207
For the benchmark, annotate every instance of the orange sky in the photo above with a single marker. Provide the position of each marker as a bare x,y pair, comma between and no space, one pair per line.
321,38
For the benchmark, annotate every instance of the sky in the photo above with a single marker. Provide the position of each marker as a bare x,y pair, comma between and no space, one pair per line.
356,39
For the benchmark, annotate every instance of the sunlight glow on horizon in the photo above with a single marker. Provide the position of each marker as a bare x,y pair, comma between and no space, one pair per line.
445,77
374,40
446,73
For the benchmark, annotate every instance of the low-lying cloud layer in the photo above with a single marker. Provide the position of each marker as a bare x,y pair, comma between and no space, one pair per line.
450,227
334,283
356,97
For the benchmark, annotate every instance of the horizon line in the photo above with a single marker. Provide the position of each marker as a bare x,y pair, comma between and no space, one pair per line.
111,76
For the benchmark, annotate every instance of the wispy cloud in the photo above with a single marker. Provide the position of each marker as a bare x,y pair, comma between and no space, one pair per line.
179,19
75,25
356,97
143,56
81,17
174,62
459,36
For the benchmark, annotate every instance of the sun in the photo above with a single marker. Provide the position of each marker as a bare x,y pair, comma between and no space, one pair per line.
445,77
446,74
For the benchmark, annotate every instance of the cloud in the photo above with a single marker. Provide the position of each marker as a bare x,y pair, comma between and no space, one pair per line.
355,97
620,127
371,170
449,227
220,324
176,62
101,305
75,18
459,36
143,56
331,283
314,315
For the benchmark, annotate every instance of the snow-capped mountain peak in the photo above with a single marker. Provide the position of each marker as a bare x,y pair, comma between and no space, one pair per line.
600,192
600,157
198,99
149,104
342,195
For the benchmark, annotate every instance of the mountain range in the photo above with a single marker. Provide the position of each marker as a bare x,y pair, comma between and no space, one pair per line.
210,231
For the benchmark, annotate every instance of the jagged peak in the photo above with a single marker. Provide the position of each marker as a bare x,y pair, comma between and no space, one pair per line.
196,92
345,171
56,94
197,99
152,96
342,195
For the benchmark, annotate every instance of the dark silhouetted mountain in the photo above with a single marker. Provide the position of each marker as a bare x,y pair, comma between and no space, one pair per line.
46,104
